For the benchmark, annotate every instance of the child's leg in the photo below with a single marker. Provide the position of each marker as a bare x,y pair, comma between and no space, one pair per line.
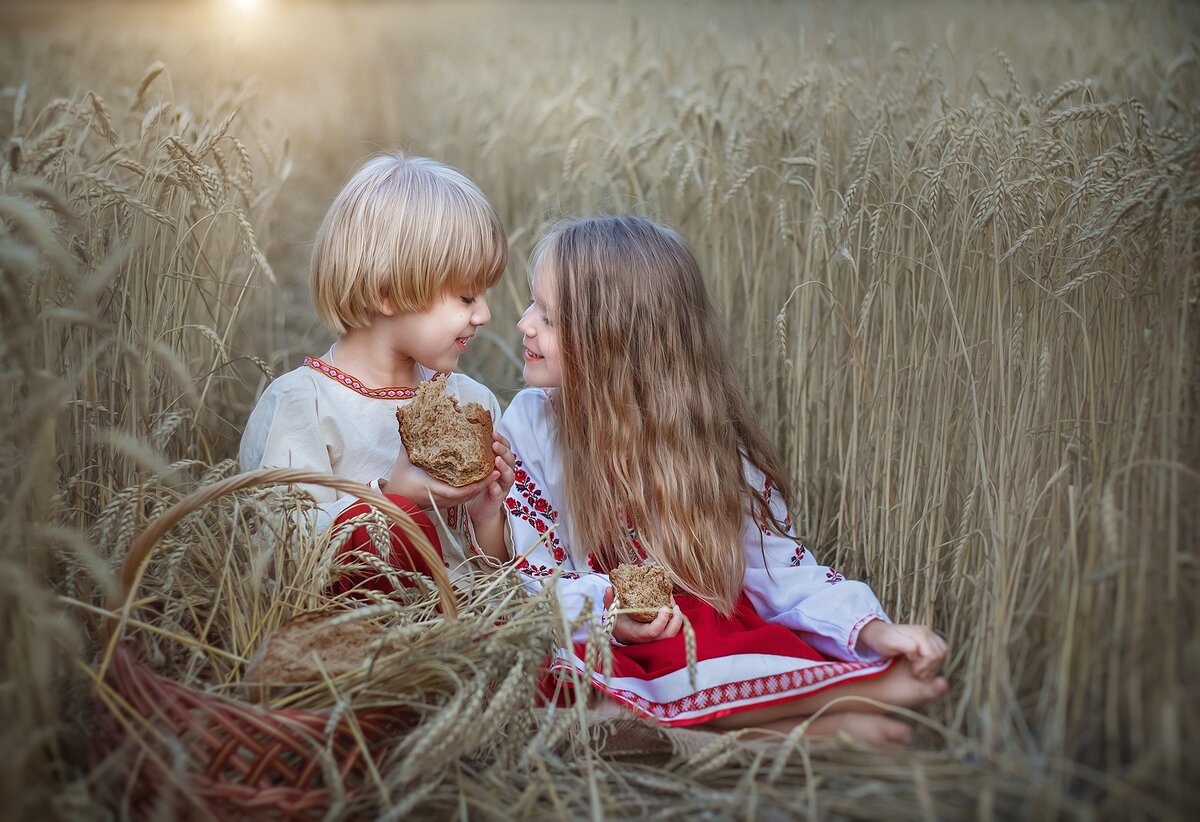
875,730
896,688
403,555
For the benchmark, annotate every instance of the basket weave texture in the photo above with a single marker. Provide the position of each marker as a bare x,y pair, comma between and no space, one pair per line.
219,755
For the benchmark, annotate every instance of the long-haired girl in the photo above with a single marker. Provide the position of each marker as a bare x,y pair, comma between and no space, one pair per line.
635,444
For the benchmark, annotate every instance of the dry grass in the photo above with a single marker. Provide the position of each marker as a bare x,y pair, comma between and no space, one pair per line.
960,254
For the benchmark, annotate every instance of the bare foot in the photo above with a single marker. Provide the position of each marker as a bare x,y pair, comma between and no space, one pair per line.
901,688
874,730
830,730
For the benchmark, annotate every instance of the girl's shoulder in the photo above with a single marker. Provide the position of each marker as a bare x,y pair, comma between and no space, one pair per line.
530,416
531,404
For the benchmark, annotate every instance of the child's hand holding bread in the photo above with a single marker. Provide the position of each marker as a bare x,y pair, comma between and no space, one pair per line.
450,455
644,591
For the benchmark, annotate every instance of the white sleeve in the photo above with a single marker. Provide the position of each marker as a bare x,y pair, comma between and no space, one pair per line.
539,549
789,588
284,431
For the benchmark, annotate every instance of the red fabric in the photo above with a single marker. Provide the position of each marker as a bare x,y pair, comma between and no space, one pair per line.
742,632
403,555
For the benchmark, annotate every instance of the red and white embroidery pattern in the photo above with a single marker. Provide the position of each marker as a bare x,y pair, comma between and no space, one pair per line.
399,392
763,512
798,558
720,695
538,512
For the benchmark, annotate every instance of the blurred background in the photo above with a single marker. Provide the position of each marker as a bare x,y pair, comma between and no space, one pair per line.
956,244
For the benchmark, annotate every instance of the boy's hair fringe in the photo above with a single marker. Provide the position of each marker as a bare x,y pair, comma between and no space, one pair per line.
404,230
654,422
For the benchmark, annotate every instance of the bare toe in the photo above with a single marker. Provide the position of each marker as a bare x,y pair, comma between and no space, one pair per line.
897,734
868,729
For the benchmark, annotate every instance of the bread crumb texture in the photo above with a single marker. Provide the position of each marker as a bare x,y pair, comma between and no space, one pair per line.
449,442
643,587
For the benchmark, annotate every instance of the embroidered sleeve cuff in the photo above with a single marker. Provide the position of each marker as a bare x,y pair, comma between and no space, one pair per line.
863,654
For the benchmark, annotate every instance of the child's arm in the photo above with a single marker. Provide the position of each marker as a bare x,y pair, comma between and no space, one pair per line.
539,544
486,512
789,587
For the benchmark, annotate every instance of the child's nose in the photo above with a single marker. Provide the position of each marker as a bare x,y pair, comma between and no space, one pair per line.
482,312
523,324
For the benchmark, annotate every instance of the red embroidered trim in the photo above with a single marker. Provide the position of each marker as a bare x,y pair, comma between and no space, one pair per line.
805,680
852,639
399,392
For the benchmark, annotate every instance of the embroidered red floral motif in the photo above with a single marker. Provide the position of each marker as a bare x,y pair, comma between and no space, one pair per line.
536,510
764,523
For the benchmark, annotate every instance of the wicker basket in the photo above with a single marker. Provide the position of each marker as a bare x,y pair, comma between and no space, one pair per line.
218,755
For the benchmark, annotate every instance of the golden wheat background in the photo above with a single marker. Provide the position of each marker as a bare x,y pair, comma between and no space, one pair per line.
958,248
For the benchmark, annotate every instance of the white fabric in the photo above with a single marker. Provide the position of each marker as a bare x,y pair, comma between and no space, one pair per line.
723,685
783,580
309,420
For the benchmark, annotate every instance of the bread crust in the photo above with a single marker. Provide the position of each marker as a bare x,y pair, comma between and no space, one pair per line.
449,442
643,587
306,648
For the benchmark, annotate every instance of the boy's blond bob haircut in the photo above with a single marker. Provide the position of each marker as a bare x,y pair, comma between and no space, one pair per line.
407,230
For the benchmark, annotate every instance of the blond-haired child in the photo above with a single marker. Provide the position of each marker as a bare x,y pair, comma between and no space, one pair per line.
400,267
636,444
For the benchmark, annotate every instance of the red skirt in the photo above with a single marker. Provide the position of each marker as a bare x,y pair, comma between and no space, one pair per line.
743,663
401,554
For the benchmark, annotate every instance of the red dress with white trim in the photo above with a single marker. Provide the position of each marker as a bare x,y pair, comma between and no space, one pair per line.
793,632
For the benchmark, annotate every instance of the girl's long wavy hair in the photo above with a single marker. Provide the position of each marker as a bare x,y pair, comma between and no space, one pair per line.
653,419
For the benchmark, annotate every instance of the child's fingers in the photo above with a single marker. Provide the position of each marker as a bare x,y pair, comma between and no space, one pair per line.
655,628
676,623
929,658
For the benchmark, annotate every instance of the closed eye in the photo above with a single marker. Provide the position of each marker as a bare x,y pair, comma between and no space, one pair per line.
468,299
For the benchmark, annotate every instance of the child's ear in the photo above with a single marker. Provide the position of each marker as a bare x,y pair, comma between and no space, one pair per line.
386,308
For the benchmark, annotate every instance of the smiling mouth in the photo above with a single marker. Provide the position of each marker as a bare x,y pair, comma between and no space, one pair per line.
461,343
529,355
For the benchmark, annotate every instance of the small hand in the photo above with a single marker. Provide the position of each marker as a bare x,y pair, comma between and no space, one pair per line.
497,485
628,630
409,481
924,649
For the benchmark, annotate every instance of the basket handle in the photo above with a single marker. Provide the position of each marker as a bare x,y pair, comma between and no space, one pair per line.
136,561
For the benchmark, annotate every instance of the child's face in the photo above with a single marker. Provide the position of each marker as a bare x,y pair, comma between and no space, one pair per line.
438,336
539,334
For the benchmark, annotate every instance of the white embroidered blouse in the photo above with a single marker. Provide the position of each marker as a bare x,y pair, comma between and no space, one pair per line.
783,580
320,418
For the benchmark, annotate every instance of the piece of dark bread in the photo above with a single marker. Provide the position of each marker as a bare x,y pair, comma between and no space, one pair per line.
644,587
303,650
451,443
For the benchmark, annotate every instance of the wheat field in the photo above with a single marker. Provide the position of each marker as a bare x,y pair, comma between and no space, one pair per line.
958,247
